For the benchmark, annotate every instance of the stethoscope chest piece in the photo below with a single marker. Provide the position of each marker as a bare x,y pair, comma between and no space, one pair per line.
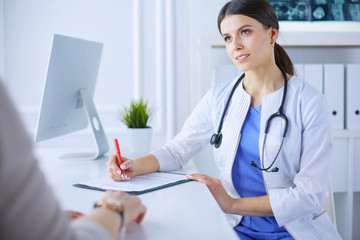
216,139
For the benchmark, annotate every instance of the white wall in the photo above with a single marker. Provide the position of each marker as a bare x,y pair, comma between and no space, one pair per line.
203,24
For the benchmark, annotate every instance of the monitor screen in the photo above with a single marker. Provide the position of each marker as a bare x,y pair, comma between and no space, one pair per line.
67,102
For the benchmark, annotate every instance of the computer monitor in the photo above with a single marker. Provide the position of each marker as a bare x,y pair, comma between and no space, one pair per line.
67,102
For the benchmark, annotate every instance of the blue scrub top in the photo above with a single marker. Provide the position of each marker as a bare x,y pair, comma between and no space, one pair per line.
248,181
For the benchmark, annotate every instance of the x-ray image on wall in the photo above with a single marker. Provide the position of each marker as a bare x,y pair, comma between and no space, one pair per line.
353,10
317,10
328,10
291,10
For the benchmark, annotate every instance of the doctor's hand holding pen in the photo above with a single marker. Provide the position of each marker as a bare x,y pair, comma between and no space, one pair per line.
129,168
121,168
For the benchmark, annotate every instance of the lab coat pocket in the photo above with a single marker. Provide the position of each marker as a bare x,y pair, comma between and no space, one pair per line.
324,227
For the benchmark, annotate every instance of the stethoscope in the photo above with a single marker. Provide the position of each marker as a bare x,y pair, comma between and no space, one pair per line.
216,138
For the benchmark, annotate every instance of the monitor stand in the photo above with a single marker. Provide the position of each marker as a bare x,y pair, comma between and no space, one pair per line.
101,142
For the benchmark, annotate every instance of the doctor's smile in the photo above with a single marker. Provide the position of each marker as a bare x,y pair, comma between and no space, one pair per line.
242,57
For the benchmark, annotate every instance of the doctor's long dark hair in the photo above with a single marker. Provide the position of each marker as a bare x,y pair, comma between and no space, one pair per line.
262,11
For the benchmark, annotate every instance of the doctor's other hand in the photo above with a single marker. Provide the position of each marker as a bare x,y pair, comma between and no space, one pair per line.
114,172
217,190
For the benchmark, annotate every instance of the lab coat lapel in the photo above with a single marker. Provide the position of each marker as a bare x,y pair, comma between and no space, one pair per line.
233,121
270,105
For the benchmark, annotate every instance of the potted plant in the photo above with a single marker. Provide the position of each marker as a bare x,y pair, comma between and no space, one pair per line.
137,117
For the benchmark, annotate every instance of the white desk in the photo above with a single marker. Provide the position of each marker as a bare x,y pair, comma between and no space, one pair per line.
185,211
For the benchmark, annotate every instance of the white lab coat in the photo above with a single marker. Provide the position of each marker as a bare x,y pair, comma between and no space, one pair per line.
296,191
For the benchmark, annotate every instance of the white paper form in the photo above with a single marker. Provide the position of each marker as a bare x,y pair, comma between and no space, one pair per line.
138,184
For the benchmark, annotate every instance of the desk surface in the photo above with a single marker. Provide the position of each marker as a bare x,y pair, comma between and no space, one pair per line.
185,211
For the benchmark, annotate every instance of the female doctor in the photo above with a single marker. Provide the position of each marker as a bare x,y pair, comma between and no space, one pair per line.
270,131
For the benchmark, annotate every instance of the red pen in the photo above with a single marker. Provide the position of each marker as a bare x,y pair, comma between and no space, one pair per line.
118,156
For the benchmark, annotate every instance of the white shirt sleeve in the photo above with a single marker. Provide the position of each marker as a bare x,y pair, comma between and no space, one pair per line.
194,135
27,205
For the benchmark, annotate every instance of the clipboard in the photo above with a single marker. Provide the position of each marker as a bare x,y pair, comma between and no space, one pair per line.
137,185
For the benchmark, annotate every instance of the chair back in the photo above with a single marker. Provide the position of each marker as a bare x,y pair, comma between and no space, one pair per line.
328,204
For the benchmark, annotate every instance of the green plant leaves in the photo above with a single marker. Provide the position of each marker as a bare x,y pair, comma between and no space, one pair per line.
137,115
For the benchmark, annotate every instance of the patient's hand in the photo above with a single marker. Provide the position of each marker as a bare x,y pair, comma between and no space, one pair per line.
73,214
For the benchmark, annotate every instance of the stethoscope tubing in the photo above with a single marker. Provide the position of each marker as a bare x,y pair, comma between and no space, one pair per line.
216,138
